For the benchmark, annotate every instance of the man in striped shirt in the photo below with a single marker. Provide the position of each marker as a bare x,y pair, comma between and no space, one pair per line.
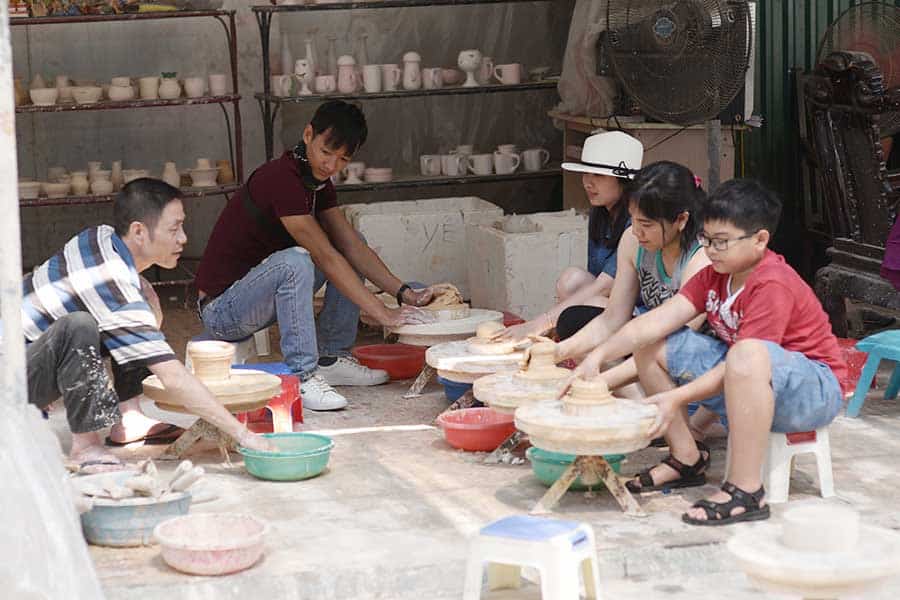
88,300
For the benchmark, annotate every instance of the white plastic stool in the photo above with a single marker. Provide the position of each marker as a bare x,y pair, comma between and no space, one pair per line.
779,462
559,550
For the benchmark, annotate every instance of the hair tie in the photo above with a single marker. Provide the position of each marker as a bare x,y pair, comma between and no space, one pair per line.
698,182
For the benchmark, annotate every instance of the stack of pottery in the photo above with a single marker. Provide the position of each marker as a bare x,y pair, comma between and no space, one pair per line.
204,174
58,185
101,179
120,89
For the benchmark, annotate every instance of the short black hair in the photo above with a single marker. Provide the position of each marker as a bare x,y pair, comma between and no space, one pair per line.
745,203
343,124
142,200
663,190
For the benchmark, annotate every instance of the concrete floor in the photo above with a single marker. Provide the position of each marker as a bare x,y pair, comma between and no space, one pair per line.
390,517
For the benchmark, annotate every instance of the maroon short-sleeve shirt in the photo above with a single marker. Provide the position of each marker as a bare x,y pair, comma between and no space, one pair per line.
238,242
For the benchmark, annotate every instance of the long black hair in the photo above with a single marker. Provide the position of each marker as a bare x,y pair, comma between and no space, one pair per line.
663,190
601,221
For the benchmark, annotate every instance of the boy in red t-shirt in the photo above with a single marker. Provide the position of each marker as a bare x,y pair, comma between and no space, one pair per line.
776,360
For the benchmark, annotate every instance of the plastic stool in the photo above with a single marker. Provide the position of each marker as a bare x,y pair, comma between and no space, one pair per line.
285,409
558,549
884,345
779,461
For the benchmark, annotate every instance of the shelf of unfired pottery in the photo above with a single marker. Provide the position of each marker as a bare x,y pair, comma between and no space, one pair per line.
375,4
173,14
446,91
187,192
421,181
128,104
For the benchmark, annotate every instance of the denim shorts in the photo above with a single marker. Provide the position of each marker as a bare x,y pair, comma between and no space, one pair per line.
807,394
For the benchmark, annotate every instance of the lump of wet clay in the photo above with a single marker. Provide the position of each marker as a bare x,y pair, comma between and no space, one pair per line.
483,344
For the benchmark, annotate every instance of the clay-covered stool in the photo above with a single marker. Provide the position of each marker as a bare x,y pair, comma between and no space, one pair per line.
883,345
560,550
283,410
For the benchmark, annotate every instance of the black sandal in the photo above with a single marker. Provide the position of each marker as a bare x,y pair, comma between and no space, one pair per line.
719,513
689,475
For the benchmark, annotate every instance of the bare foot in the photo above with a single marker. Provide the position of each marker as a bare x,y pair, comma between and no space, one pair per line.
95,459
135,425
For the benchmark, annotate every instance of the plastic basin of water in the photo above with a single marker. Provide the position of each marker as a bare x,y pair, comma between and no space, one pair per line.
476,429
299,456
401,361
127,522
211,543
549,466
453,389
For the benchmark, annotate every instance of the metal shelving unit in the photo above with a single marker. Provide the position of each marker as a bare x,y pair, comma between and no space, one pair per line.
235,151
270,104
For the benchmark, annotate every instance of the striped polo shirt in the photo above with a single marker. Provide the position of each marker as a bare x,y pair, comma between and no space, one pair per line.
95,273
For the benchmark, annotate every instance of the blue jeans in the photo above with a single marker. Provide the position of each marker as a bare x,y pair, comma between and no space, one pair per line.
807,394
280,289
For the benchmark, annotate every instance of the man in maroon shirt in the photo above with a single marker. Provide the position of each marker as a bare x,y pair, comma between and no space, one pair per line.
280,238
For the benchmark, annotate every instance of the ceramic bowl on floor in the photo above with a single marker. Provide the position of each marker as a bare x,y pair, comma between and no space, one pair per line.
87,94
299,456
211,543
44,96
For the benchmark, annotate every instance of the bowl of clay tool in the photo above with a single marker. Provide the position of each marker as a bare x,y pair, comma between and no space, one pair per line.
401,361
298,456
211,543
549,466
453,389
476,429
129,521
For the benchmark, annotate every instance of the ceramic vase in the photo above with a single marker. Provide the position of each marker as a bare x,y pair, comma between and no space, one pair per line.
170,175
226,174
80,183
168,87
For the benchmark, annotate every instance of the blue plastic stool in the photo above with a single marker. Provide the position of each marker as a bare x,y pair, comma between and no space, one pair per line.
884,345
563,552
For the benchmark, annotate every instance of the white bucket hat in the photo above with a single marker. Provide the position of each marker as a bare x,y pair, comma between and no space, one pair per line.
613,153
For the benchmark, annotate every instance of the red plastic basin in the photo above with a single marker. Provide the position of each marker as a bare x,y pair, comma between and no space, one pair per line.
476,429
401,361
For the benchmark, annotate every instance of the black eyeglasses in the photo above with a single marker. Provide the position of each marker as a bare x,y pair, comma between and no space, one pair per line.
720,244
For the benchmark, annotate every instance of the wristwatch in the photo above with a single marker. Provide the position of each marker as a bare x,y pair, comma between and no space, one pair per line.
402,289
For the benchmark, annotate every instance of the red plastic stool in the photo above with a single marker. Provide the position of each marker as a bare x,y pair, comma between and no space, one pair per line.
282,411
855,360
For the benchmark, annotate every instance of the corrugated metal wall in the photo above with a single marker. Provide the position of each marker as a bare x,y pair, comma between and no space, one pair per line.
788,32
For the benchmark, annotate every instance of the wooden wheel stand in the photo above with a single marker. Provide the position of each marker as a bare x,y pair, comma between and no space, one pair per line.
592,470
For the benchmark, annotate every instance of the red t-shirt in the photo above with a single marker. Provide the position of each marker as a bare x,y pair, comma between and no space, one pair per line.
238,243
775,305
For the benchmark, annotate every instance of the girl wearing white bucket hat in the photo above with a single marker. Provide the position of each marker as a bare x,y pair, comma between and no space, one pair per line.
609,161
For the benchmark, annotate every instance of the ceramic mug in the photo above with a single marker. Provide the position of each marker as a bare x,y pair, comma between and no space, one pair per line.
505,164
510,74
149,87
453,165
481,164
430,164
194,87
354,172
433,78
508,149
486,71
391,77
535,159
218,84
326,84
371,76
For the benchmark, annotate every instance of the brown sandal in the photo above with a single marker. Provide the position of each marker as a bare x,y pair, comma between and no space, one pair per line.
689,475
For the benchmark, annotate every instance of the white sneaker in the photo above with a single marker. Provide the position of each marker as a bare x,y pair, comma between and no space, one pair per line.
347,371
318,395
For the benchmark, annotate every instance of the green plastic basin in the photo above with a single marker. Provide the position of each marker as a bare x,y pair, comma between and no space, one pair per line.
299,456
549,466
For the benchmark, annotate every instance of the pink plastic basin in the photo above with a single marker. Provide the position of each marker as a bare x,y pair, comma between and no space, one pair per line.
401,361
211,543
476,429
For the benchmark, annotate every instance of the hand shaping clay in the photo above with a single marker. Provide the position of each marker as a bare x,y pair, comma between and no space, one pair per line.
483,343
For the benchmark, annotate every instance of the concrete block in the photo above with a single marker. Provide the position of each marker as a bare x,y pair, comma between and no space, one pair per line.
423,240
514,262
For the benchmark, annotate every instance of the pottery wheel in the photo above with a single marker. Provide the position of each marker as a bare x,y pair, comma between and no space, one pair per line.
505,392
766,560
589,421
244,390
456,362
430,334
